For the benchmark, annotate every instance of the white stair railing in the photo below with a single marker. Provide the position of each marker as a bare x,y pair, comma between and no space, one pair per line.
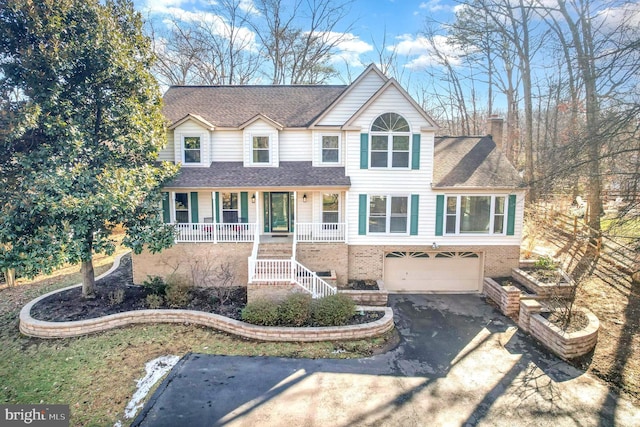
310,281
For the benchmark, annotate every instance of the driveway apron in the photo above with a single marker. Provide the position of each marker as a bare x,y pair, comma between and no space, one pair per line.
459,363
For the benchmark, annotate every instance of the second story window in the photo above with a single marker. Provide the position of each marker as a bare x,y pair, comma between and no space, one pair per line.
192,152
330,149
260,149
390,142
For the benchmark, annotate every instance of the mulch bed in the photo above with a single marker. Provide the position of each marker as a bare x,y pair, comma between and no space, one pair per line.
69,305
361,285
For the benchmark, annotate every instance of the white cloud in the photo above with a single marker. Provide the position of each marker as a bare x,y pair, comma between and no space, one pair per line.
627,15
349,47
248,6
423,53
433,6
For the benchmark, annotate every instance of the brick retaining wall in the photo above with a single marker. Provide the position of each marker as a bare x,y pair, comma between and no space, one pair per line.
566,345
507,297
42,329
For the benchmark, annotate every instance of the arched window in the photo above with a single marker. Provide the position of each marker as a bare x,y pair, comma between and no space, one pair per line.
390,141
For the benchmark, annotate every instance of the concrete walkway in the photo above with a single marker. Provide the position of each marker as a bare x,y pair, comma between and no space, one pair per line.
459,363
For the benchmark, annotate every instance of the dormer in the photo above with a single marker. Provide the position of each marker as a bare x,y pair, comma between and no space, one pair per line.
261,142
192,141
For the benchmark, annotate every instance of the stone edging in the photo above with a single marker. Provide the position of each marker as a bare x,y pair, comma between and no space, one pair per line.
42,329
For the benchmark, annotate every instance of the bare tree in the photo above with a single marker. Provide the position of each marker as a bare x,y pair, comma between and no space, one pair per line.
299,37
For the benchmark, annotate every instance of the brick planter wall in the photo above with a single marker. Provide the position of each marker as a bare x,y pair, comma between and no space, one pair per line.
507,297
41,329
566,345
543,290
528,307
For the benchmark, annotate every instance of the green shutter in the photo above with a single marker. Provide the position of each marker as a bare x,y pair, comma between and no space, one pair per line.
216,207
194,206
244,207
439,213
415,198
364,151
166,214
511,215
265,209
415,152
362,215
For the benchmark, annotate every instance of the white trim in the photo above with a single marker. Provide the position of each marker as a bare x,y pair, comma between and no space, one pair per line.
492,215
387,231
321,135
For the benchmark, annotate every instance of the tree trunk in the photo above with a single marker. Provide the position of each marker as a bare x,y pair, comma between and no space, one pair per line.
10,277
88,279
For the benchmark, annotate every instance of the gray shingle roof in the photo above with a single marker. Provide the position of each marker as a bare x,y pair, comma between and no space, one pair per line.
472,161
235,175
231,106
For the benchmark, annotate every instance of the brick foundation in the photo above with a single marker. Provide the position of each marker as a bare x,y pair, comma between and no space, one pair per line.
325,257
366,262
180,257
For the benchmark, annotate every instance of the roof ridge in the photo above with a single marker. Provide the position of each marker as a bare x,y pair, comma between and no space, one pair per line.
256,86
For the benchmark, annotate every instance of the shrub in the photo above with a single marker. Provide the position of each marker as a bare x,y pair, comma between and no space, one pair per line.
156,285
116,297
178,291
154,301
261,312
295,310
545,263
333,310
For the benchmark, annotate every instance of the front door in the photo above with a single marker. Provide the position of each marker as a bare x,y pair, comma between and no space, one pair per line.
280,212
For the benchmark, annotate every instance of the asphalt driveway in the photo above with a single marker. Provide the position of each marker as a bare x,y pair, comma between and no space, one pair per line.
459,363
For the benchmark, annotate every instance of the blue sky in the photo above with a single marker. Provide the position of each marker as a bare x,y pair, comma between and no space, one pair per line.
394,22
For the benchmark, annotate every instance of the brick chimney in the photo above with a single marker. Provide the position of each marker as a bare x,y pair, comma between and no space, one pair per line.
496,125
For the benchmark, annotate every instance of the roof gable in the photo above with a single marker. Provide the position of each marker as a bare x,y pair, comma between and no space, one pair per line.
391,83
261,117
194,118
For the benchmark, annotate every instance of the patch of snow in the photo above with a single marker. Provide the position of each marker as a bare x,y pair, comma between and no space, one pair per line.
155,369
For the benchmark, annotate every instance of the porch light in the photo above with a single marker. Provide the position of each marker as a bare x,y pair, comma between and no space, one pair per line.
304,198
253,198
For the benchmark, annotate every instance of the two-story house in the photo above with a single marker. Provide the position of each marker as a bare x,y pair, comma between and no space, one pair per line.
283,181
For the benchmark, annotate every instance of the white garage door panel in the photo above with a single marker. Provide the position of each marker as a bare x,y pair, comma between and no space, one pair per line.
449,272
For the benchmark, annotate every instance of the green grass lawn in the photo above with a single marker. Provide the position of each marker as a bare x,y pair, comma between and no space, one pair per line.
96,374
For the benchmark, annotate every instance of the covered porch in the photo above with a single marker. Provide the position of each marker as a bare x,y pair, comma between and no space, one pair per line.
229,215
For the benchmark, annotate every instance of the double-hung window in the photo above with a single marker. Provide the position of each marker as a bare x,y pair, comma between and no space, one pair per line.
260,149
230,208
192,149
475,214
390,142
182,207
330,208
388,214
330,149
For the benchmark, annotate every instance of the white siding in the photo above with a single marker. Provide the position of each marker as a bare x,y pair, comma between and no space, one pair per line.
357,96
305,209
205,206
190,128
295,145
227,146
261,128
167,153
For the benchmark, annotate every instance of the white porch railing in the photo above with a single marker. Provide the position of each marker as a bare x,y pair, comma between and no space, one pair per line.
210,232
316,232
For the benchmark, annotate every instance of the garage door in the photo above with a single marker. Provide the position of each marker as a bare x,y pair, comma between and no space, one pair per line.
432,271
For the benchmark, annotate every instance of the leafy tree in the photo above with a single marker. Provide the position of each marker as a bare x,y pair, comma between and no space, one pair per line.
81,133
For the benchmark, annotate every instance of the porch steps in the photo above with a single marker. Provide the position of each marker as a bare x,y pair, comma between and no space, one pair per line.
275,251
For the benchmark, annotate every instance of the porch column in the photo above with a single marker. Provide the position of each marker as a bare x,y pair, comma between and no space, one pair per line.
257,203
295,214
213,217
345,211
172,207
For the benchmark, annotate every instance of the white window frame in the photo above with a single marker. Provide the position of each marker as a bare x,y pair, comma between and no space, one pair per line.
252,149
339,149
388,215
389,135
175,207
183,148
223,210
322,211
492,214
